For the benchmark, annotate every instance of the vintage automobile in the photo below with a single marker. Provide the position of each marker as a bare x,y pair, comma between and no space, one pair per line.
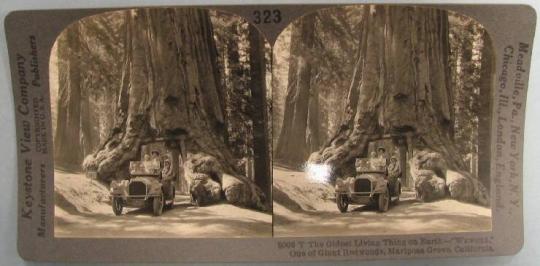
144,188
369,187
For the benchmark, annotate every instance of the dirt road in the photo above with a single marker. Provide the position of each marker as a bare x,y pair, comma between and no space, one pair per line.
306,208
82,210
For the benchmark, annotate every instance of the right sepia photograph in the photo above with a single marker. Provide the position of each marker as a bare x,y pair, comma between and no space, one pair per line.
381,120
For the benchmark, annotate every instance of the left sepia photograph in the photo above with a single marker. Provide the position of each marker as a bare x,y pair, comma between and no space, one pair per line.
160,123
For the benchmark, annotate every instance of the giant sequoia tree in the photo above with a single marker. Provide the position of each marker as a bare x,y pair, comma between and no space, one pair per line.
171,88
401,87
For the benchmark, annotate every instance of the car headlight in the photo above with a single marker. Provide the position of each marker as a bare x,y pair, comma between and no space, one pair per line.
340,184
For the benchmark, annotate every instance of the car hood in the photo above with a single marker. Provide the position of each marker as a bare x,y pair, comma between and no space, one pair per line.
145,179
370,176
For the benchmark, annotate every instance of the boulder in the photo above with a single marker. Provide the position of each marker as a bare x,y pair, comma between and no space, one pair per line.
429,186
244,194
208,183
204,164
434,180
459,186
204,190
429,160
204,178
464,187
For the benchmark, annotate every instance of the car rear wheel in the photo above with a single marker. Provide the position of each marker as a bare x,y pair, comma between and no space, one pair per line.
396,201
171,203
383,201
342,203
117,206
157,205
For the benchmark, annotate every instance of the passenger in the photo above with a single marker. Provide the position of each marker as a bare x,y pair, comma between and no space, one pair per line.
381,154
372,160
394,169
147,163
156,162
167,173
361,165
380,162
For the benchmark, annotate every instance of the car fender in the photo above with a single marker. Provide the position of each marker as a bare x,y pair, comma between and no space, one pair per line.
344,185
381,186
119,188
155,188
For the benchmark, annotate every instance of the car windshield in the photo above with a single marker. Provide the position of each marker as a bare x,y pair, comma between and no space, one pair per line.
138,168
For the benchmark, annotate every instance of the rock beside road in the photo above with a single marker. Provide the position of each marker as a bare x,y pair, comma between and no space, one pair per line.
204,190
205,178
434,180
430,187
244,194
459,187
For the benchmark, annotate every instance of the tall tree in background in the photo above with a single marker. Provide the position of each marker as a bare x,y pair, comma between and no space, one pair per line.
300,128
484,115
466,44
257,67
329,48
232,43
66,154
471,64
91,93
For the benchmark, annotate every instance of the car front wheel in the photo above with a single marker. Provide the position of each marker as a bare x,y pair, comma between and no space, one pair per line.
342,203
384,201
117,206
157,205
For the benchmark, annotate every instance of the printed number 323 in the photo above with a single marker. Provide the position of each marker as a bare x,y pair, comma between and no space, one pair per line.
267,16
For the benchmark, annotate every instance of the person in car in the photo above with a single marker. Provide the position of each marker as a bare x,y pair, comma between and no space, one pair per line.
167,173
380,162
394,169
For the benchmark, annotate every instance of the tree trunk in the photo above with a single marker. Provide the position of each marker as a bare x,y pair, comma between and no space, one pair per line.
261,150
67,152
238,99
171,89
169,86
300,129
484,116
89,133
401,87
